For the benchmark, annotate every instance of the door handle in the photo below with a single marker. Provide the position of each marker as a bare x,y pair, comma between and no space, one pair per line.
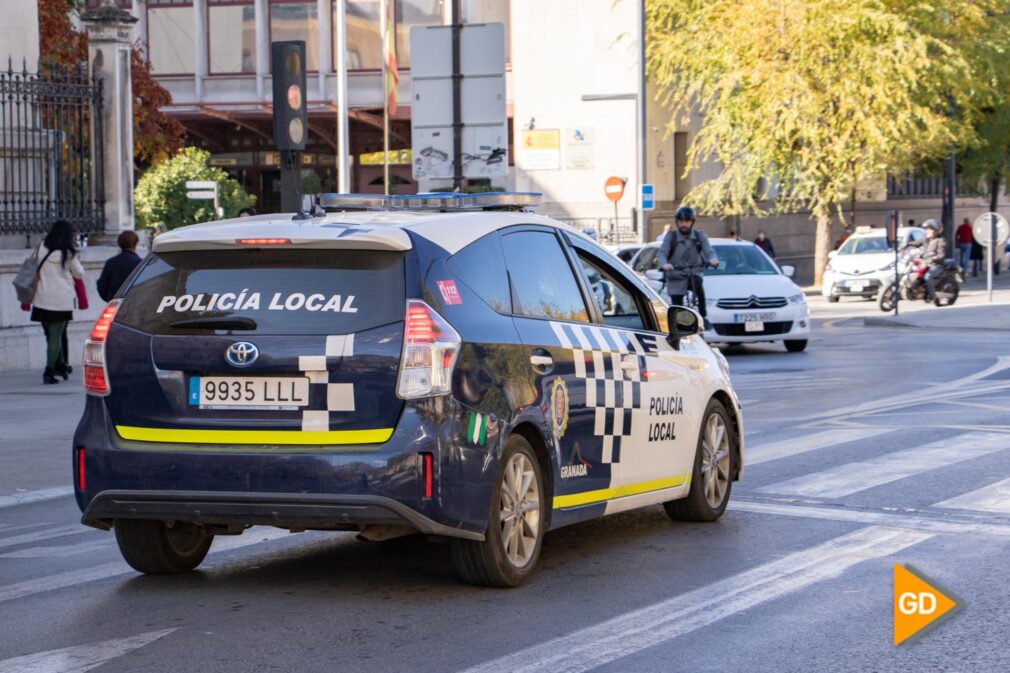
542,361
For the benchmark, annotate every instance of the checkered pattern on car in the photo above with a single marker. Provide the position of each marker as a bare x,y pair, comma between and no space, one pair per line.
611,362
339,396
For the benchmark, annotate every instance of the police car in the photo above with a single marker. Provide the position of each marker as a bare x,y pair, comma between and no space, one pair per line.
435,364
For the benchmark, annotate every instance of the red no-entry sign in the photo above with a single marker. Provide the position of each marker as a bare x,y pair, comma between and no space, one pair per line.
614,188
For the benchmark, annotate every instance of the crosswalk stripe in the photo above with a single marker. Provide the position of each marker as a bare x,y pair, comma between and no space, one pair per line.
60,551
35,496
850,478
632,632
41,535
819,440
80,658
992,498
100,572
929,524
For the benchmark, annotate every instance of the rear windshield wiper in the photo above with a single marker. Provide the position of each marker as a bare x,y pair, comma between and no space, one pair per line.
219,322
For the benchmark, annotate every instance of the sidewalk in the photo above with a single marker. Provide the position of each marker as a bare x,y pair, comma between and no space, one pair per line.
37,424
971,312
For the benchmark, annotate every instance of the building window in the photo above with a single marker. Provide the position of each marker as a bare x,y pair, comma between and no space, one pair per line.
170,42
411,13
490,11
231,25
297,21
364,43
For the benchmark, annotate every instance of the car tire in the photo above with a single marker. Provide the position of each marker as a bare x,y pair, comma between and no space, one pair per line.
162,548
711,482
507,555
796,345
833,299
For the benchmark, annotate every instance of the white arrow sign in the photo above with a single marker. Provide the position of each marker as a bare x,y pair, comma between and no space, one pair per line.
201,184
201,195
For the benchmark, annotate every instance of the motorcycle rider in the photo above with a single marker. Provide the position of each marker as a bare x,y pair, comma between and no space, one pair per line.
683,255
934,252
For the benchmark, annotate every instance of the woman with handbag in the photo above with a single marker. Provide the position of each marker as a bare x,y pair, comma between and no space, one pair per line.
60,283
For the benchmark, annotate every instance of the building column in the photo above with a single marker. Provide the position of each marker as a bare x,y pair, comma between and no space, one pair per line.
109,38
139,11
262,48
200,39
324,10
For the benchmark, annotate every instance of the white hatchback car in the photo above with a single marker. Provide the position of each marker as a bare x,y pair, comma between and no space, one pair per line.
749,298
863,263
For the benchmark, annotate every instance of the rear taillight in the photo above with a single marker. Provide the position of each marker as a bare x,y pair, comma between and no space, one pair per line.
96,373
430,347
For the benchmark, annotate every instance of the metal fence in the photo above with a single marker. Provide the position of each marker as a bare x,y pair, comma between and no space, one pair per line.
50,150
608,230
911,186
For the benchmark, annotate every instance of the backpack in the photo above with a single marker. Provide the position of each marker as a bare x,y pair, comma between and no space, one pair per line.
26,280
676,242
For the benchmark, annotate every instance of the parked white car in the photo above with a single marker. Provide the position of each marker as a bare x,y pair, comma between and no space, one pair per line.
749,298
863,263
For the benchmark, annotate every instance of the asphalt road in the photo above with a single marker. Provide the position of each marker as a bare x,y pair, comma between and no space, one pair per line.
876,446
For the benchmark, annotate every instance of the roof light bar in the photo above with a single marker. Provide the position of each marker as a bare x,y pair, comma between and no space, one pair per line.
432,201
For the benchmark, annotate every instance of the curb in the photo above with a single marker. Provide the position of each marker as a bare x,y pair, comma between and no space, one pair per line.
898,324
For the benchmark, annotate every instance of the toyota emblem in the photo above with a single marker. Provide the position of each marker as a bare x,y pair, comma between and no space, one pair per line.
241,354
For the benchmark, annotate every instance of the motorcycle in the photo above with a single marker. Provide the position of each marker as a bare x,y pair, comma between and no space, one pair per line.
911,271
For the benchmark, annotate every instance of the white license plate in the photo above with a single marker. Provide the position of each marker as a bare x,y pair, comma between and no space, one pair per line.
753,317
754,326
248,392
857,287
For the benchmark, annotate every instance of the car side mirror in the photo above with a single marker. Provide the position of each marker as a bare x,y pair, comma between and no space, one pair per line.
654,274
831,255
789,271
683,323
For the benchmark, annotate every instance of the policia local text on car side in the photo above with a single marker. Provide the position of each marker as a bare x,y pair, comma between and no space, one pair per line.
452,365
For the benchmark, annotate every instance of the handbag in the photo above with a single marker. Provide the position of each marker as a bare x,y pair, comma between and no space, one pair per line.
26,280
82,295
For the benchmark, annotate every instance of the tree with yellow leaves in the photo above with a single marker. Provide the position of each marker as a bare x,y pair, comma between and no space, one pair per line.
813,96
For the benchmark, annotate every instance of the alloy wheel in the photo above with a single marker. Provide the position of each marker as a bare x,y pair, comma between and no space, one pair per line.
519,510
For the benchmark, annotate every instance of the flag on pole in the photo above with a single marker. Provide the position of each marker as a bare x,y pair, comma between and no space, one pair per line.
392,76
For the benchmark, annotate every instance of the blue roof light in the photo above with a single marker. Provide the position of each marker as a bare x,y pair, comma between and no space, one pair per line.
432,201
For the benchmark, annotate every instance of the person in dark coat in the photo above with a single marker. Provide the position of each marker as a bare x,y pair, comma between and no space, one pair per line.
762,241
117,269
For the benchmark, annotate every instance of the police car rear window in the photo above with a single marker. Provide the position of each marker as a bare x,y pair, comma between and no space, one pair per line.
266,292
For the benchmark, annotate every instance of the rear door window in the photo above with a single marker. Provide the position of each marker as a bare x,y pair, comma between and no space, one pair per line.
481,267
261,291
543,283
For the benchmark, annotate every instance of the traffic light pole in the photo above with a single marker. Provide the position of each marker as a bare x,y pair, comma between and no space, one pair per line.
291,181
457,102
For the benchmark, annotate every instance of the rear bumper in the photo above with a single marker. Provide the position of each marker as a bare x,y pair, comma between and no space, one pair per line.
283,510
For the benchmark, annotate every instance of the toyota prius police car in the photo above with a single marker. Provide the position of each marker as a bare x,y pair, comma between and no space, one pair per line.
442,364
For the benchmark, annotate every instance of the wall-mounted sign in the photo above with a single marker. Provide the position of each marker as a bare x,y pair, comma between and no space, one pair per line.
539,149
579,149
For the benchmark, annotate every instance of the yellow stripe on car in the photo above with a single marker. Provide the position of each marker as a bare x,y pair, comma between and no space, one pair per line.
604,494
304,437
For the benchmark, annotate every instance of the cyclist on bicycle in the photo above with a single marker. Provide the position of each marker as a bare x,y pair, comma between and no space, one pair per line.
683,255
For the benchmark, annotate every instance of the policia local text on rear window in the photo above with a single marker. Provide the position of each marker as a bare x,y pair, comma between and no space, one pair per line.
266,292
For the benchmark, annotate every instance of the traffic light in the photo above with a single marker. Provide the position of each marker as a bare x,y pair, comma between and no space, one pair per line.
290,115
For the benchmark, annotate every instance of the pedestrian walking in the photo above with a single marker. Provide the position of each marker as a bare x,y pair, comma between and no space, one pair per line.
247,212
762,241
964,239
977,257
60,286
117,269
733,235
844,236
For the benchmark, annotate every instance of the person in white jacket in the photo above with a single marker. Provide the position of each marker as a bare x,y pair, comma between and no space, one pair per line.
54,302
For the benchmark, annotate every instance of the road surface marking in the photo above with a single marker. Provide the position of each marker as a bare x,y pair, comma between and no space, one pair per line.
35,496
992,498
820,440
75,577
80,658
632,632
39,536
850,478
60,551
910,521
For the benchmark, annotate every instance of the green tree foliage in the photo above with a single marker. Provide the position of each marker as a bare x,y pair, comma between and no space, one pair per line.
816,95
160,196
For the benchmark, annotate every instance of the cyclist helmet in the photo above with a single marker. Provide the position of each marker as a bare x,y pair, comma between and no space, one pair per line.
931,224
685,213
